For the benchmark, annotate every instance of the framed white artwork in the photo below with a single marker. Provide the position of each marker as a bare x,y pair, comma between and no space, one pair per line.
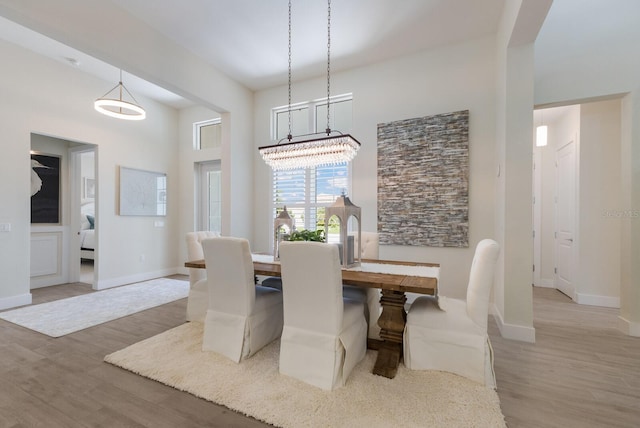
142,193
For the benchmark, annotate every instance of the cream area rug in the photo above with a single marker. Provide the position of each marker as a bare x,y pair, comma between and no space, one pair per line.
256,388
65,316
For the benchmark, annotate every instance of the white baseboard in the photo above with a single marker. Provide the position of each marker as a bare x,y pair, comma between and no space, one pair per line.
546,283
144,276
629,327
513,331
13,301
594,300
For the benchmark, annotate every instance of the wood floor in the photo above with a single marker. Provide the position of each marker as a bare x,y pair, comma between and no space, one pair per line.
580,373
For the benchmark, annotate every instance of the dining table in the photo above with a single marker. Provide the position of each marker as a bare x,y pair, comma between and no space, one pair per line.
393,278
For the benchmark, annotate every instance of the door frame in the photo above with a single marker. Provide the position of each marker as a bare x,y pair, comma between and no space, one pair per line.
75,193
537,217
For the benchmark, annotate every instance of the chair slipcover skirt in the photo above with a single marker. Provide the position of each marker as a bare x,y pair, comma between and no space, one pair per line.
242,317
324,335
238,336
462,347
451,334
321,359
198,300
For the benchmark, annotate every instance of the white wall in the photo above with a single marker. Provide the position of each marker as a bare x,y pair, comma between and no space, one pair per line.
600,210
87,165
596,127
513,302
630,232
143,51
604,73
49,98
453,78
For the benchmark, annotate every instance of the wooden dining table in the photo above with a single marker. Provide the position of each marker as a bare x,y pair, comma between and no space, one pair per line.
405,277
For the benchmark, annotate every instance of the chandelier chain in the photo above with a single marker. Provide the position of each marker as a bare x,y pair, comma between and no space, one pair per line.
289,136
328,130
312,152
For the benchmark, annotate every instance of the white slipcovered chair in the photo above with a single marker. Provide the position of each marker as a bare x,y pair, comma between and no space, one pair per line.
198,300
242,318
451,334
324,335
370,296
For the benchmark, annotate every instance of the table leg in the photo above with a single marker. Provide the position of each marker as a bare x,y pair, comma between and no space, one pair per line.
392,322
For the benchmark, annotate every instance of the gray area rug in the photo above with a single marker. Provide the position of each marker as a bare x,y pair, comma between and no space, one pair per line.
255,388
65,316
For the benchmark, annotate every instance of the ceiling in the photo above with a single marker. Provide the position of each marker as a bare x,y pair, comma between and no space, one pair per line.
247,39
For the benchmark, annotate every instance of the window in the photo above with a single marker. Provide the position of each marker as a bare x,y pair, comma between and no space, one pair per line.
209,198
208,134
306,192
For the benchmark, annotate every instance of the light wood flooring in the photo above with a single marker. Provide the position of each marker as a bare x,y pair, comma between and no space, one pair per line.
581,372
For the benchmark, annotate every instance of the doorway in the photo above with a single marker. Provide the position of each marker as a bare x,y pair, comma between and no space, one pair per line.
562,125
577,183
83,214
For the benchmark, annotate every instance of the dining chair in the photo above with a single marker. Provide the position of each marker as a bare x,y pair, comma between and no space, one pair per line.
369,296
451,334
241,318
198,300
324,334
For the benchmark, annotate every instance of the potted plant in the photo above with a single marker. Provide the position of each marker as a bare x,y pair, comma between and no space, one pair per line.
307,235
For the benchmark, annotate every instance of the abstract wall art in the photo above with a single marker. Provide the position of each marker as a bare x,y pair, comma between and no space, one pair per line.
423,181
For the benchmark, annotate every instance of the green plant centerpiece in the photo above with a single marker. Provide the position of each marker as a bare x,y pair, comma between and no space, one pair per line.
307,235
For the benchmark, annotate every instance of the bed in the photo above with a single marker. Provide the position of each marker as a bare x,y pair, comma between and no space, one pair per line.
87,231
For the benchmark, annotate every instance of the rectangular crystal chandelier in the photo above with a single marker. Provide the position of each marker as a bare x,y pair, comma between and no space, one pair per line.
323,151
330,148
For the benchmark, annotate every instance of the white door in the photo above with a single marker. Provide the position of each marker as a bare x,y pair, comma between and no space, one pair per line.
210,196
565,218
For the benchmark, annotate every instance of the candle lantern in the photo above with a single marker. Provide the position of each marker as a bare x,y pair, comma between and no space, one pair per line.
283,225
343,209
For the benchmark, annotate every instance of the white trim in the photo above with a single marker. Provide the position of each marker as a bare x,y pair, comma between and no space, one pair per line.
546,283
14,301
594,300
196,130
512,331
629,328
123,280
537,216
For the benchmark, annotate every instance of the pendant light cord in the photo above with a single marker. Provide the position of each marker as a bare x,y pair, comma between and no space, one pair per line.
328,130
289,136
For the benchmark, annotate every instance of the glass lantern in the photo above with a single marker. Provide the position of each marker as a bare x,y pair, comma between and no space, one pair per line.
343,209
283,225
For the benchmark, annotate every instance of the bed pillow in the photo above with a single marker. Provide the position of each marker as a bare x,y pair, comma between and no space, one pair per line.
91,221
84,223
